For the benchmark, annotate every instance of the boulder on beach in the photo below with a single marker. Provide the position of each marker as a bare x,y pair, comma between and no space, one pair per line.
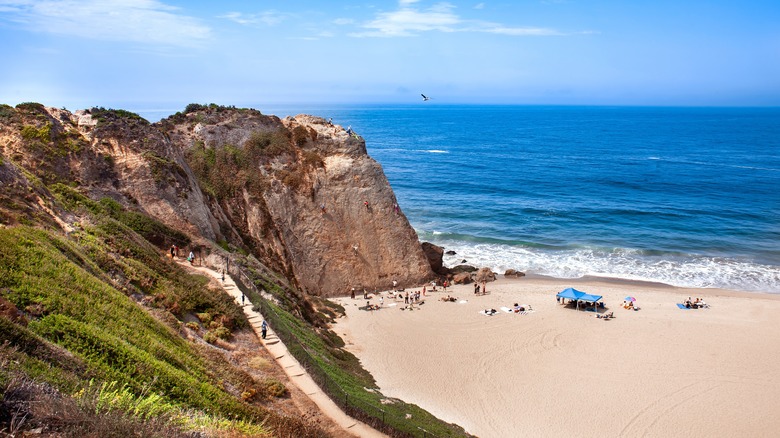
462,278
485,274
513,273
462,268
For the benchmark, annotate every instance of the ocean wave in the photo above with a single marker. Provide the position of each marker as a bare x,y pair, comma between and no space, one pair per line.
434,151
682,270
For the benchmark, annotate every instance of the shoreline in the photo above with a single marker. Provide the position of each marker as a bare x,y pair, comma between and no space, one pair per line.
591,279
659,371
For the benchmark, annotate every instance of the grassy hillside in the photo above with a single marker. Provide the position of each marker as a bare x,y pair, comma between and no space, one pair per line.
98,313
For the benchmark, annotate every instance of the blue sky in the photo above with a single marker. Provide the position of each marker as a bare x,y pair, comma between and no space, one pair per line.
163,54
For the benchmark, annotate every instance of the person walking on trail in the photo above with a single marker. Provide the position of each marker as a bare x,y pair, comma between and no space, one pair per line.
191,257
243,299
173,252
263,329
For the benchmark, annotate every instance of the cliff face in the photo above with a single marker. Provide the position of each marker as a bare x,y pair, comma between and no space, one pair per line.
230,176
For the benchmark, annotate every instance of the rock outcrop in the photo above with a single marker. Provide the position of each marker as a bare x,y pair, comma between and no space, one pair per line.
300,194
435,255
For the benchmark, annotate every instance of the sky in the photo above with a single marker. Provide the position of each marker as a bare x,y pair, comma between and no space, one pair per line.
146,55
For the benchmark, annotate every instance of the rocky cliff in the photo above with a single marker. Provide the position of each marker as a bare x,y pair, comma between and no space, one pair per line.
300,194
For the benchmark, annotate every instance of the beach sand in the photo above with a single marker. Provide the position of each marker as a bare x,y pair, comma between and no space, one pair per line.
558,372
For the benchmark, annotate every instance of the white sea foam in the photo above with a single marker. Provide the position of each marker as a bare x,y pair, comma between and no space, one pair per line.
676,270
436,151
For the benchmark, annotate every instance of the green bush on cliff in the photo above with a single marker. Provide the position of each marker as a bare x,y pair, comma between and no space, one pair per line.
42,134
103,115
31,108
6,111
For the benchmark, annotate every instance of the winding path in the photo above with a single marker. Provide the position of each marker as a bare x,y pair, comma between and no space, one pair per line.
295,372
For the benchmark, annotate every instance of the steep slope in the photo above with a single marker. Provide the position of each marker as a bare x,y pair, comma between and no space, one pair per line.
300,194
310,195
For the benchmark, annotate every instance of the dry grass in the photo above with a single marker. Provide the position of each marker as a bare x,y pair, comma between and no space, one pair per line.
30,406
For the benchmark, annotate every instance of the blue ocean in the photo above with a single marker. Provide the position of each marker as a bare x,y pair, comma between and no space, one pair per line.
684,196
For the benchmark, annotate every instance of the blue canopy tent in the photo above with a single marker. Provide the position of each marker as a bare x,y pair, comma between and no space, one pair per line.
577,295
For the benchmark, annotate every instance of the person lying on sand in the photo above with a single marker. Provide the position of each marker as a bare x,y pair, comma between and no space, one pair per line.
448,298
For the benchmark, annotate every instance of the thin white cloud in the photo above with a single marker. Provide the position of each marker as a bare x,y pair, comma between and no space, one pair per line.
519,31
343,21
139,21
409,21
479,6
269,18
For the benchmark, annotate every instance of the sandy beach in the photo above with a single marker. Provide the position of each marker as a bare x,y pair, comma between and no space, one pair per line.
659,371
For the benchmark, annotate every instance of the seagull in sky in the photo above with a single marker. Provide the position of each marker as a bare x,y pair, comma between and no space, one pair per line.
425,98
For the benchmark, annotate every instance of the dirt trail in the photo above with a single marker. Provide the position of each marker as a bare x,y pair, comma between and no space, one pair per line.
295,372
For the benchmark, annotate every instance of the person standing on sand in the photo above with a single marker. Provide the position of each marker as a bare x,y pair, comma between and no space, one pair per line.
476,288
406,298
484,287
263,329
352,294
395,284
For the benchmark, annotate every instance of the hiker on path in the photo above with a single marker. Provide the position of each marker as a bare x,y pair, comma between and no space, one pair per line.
263,329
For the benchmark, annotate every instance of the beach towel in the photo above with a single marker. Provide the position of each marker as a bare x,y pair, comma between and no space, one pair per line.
682,306
486,313
462,302
507,310
392,304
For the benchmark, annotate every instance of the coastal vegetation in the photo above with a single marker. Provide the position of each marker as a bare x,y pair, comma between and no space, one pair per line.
77,323
102,335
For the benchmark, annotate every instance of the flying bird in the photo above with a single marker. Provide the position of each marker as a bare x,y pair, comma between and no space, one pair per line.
425,98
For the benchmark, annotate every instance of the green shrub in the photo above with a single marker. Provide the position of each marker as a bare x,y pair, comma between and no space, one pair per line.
222,332
204,318
193,107
42,134
103,115
210,337
31,107
274,388
6,111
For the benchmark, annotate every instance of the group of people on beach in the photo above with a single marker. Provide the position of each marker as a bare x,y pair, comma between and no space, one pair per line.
698,303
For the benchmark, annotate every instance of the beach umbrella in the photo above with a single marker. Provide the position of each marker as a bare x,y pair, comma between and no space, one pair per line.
630,299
